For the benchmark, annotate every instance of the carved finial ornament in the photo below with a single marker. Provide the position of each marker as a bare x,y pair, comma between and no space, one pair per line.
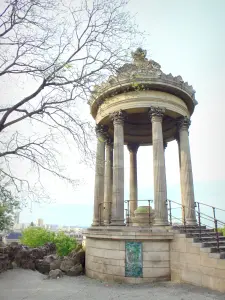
133,147
156,113
139,55
118,117
183,123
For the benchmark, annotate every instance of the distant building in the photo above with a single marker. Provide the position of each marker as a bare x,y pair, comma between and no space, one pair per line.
12,237
40,222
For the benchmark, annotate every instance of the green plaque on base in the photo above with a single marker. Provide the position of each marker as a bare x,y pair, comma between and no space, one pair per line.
133,259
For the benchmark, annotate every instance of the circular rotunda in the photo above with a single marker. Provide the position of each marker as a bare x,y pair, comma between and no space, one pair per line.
140,106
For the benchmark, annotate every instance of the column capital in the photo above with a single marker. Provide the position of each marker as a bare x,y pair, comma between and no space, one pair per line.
133,147
183,123
156,113
101,132
118,117
109,141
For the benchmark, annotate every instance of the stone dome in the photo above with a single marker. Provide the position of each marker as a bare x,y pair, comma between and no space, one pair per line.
134,89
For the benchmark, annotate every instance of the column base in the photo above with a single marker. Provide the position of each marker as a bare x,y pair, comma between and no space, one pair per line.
95,223
160,222
191,222
117,223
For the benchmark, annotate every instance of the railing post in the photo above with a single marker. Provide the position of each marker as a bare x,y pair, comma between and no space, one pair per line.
170,211
184,214
128,211
214,212
199,221
149,214
217,235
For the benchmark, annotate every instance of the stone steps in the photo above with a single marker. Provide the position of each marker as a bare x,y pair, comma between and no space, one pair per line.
203,235
207,239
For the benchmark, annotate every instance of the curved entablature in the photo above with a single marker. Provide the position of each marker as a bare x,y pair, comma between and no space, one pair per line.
142,75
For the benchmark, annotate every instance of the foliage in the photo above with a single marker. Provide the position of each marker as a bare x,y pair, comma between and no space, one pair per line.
8,208
222,230
64,244
37,236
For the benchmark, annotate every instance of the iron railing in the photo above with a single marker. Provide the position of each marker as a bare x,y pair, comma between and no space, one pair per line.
202,220
128,211
177,217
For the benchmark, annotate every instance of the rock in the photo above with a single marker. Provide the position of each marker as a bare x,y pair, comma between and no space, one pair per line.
50,258
14,265
79,258
66,264
55,274
42,266
75,271
55,264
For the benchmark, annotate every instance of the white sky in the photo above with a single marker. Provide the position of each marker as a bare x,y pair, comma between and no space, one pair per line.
187,38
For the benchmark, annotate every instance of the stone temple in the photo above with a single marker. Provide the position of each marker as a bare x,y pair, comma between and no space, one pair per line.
128,241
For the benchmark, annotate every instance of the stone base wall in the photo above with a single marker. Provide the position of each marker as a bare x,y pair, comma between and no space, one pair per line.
105,257
192,264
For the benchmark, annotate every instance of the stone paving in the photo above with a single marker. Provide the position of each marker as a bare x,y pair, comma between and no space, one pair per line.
30,285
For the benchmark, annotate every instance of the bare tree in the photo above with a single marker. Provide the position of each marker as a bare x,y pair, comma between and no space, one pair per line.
60,49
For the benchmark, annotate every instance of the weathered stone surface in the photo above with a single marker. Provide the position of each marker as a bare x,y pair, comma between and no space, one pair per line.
42,266
55,274
66,264
55,264
79,258
75,271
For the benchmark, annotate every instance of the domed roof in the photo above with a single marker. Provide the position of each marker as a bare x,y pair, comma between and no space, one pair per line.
142,74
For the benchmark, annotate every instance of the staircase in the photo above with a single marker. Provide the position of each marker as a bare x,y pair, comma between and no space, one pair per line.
208,239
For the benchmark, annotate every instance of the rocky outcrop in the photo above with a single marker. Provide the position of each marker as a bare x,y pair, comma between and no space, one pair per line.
19,256
43,259
74,263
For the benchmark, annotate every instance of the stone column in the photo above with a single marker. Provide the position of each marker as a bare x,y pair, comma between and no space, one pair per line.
133,177
108,181
118,169
160,192
165,144
99,172
186,176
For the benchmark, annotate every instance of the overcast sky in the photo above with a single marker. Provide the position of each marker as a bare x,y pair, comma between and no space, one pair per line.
187,38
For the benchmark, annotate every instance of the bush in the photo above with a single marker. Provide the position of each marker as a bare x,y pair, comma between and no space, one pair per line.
64,244
222,230
37,236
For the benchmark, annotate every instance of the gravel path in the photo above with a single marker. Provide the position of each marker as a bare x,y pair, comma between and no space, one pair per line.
29,285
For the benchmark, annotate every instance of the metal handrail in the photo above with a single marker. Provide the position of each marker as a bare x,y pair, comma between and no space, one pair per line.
127,210
189,208
211,206
200,216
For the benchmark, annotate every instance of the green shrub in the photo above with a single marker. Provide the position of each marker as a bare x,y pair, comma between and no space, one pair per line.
64,244
222,230
37,236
